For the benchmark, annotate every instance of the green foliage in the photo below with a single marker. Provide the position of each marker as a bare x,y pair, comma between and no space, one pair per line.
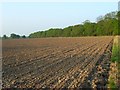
100,18
100,28
54,32
77,30
115,53
5,37
106,25
111,15
14,36
112,84
89,29
118,15
67,31
23,36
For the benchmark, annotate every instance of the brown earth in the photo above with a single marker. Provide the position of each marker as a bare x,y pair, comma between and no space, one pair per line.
56,62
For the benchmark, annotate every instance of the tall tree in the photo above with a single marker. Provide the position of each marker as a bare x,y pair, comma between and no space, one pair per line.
4,37
105,25
14,36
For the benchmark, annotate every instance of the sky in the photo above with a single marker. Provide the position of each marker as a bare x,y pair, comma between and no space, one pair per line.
24,18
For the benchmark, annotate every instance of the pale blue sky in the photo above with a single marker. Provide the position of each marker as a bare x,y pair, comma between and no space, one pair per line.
25,18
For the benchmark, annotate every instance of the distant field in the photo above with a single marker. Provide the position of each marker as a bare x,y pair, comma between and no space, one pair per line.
56,62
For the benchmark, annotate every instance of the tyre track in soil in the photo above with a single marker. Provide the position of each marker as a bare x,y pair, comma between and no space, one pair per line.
43,51
96,73
18,62
89,78
82,74
26,61
50,82
44,57
20,75
80,69
48,50
35,60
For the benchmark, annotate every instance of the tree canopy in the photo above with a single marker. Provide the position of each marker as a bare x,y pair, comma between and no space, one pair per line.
105,25
13,36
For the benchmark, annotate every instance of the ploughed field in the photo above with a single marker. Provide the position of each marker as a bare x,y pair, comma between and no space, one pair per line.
56,62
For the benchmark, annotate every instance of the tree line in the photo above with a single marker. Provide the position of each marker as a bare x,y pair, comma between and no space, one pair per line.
106,25
13,36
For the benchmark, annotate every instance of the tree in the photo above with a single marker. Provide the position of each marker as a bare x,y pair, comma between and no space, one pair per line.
5,37
86,21
14,36
23,36
50,33
108,24
100,28
100,18
110,15
77,30
89,28
118,16
67,31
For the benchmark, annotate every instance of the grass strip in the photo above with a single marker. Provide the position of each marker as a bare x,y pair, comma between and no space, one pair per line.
112,82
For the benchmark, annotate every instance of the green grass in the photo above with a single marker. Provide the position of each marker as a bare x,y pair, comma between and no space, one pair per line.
115,53
115,50
114,58
112,84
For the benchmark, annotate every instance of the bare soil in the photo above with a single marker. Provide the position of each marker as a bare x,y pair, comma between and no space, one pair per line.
81,62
